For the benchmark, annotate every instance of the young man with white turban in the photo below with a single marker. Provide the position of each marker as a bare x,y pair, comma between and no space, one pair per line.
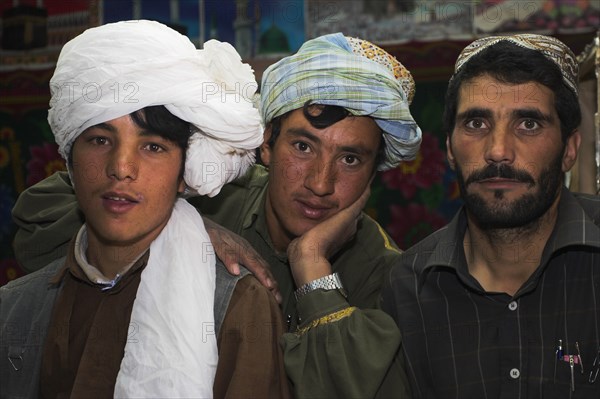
140,306
335,113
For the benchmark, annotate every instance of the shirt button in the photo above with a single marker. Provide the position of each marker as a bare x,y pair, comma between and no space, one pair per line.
515,373
513,305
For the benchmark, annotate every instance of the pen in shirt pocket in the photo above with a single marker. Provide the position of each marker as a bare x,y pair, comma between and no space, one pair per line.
558,354
571,360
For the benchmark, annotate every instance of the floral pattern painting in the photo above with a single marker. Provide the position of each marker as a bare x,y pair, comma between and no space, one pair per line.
28,154
424,171
419,196
45,161
411,223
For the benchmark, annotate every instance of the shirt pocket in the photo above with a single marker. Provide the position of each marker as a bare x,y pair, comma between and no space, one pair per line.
560,388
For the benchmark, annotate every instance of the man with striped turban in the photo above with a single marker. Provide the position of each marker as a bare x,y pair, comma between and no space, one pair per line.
504,302
140,306
334,113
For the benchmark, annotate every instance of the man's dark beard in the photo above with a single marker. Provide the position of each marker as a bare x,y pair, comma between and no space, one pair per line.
518,213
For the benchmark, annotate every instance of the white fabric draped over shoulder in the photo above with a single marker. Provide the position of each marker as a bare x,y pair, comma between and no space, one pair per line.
171,350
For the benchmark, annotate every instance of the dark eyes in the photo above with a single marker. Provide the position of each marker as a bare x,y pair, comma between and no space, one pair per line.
526,126
475,124
302,146
153,147
529,124
351,160
99,140
305,148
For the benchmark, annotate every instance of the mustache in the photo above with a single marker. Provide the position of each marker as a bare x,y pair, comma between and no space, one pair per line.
502,171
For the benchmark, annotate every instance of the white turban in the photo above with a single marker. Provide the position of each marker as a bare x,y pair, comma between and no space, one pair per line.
116,69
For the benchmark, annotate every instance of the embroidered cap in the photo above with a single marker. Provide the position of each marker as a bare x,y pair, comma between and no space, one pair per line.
552,48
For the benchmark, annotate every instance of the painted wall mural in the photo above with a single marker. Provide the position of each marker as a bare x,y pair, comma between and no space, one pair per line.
410,201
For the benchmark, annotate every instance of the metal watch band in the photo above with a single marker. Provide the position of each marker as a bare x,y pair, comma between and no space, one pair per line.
327,283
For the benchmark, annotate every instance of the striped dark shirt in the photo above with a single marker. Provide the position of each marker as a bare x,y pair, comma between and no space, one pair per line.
462,342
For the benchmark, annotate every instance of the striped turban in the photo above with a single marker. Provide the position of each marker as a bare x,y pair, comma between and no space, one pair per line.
353,74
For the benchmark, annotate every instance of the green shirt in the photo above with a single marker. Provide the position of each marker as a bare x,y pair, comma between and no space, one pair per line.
337,347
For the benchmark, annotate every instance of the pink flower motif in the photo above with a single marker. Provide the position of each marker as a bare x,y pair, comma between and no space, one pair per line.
427,169
412,223
45,160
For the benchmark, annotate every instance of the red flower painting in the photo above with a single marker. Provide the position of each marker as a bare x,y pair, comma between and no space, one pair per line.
427,169
412,223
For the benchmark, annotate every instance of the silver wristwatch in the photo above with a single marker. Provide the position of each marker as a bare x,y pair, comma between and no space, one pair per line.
327,283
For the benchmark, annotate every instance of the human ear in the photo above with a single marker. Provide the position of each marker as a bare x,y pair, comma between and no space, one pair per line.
265,148
571,150
450,154
181,186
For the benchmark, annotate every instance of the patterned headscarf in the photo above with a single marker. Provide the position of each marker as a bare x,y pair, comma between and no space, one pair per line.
553,49
350,73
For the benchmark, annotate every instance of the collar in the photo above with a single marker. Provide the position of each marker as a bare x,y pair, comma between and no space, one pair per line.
448,252
262,229
574,227
255,216
92,273
76,263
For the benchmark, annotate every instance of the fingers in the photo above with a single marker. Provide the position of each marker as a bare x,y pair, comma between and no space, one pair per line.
309,254
306,262
247,256
231,265
243,253
353,212
264,276
234,251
